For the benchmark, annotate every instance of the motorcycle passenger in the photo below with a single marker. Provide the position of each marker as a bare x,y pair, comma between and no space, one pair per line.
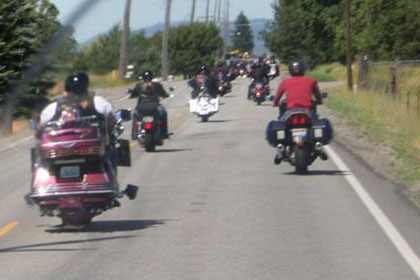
148,93
259,74
203,79
273,63
298,90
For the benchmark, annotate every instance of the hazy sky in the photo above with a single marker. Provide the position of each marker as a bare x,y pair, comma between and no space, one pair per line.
148,12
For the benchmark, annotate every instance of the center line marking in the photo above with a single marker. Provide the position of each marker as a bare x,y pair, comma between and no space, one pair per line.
9,227
387,226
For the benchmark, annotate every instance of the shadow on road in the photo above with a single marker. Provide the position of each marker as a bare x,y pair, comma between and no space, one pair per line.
46,247
172,150
322,173
219,121
112,226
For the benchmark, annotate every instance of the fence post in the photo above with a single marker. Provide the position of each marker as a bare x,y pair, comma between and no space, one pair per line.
393,70
363,71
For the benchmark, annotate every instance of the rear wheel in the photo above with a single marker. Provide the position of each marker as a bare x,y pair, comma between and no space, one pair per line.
204,119
75,217
149,143
301,160
258,102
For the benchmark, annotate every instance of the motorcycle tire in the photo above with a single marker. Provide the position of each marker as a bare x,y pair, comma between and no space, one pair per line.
75,218
149,143
301,160
258,102
205,119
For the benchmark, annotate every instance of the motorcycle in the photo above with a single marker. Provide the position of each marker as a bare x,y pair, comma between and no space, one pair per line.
149,132
224,85
204,105
299,138
74,168
258,92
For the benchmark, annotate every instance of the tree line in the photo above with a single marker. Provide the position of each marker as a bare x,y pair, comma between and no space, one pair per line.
314,30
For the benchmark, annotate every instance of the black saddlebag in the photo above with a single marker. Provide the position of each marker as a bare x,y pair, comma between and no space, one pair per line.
322,131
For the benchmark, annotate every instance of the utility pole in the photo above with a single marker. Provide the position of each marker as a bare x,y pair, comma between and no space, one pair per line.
226,28
192,12
207,11
219,13
122,68
349,56
165,42
215,11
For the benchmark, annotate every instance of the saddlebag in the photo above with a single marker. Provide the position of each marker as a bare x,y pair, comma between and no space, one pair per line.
322,131
276,133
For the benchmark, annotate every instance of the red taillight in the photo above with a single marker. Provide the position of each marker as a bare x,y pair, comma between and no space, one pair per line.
148,125
297,121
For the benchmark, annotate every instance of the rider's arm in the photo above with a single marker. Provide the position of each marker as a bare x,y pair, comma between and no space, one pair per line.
317,93
136,91
279,94
161,91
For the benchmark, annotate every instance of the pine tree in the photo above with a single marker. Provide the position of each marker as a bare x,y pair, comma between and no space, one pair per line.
242,38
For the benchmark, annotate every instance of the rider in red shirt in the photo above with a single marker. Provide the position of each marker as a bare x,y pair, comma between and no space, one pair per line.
298,89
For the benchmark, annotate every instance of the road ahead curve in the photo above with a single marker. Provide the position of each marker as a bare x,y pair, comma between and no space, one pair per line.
212,205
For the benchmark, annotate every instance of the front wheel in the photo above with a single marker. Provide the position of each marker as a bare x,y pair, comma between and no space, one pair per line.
301,160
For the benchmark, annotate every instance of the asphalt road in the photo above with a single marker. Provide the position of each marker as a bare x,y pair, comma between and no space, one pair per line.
212,205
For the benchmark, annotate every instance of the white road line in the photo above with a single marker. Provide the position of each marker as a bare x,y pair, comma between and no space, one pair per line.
121,99
16,144
393,234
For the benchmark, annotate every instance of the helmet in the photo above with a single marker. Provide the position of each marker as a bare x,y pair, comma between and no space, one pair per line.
296,68
203,70
77,83
147,76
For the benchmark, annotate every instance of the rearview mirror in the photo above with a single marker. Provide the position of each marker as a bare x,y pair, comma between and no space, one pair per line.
324,95
123,115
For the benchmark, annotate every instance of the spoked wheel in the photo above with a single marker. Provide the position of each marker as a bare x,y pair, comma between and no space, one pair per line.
301,160
75,218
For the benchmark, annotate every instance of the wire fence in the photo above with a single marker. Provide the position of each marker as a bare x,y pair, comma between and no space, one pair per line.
397,79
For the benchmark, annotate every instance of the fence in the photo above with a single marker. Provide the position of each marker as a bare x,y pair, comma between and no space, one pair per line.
399,80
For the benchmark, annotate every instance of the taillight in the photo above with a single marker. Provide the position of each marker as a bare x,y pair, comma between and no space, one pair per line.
148,125
299,121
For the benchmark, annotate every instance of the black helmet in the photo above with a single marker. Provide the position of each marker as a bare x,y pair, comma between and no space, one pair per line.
203,70
77,83
147,76
296,68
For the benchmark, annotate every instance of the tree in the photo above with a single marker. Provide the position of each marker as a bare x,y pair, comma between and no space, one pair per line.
193,45
242,36
304,29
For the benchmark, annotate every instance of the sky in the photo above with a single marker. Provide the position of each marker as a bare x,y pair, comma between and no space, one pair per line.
145,13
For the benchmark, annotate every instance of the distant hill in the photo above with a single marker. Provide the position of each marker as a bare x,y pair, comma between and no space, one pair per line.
257,25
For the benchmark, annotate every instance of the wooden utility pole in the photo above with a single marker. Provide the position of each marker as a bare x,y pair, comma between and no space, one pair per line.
124,41
192,12
215,10
207,11
226,28
349,56
165,42
219,13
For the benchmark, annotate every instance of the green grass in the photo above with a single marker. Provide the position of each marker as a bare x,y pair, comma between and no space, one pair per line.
328,73
108,80
382,121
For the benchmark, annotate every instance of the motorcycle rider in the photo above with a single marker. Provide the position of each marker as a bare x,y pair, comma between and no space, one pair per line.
273,63
221,74
203,79
259,74
298,90
148,93
78,96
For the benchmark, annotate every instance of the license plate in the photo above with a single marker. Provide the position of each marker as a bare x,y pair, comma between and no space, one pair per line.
318,132
70,172
302,132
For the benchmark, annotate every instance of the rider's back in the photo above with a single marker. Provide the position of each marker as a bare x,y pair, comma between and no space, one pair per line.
299,90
